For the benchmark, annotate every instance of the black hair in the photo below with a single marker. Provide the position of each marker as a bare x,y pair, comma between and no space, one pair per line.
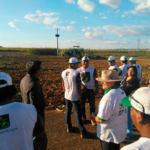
33,66
146,117
117,83
7,92
134,70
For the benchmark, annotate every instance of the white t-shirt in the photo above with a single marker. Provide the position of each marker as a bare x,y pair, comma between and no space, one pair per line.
87,77
69,77
113,68
141,144
139,70
17,124
124,69
114,114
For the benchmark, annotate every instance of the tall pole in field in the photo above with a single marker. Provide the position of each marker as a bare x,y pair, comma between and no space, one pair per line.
57,35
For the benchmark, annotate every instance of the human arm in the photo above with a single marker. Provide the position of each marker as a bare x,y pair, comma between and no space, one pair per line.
40,134
63,86
95,118
78,81
96,82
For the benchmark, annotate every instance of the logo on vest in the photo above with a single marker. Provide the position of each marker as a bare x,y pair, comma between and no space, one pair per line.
4,121
67,73
85,76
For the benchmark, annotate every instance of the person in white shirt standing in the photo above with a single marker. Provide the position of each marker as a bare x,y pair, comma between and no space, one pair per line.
18,121
139,102
124,67
132,62
112,116
111,63
72,88
88,75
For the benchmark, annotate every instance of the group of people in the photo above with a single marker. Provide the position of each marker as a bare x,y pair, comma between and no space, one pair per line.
23,124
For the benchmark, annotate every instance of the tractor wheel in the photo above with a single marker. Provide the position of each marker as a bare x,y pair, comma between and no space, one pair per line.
67,56
78,56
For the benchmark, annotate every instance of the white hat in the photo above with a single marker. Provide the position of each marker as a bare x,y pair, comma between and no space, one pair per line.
85,58
5,77
140,100
123,58
111,58
131,59
73,60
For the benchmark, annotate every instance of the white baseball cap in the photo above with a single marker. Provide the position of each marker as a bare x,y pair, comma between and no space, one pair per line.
123,58
85,58
5,77
140,100
73,60
131,59
111,58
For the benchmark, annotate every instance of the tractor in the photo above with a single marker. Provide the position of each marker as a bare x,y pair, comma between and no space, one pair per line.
74,53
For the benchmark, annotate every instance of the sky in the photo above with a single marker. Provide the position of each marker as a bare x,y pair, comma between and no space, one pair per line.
93,24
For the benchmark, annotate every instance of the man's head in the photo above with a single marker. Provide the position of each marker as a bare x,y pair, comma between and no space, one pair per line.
139,102
33,67
123,60
132,61
7,89
73,63
111,60
85,62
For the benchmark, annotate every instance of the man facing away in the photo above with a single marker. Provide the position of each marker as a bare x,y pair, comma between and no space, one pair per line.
111,63
72,88
132,62
18,121
88,76
124,67
31,89
139,102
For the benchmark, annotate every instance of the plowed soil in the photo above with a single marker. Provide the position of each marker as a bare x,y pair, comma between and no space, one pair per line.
50,80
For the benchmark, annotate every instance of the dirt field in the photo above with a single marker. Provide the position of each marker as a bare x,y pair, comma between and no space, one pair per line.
58,138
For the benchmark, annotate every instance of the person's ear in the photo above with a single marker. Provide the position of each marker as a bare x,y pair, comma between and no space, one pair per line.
140,118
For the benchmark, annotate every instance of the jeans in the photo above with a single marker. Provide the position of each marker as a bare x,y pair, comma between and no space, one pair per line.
130,124
109,145
77,109
87,93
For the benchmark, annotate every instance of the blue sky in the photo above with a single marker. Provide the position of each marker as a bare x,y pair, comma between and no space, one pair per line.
94,24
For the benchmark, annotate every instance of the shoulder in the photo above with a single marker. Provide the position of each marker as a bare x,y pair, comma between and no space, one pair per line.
91,67
121,67
79,69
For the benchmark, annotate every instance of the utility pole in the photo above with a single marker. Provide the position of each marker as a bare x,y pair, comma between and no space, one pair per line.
57,35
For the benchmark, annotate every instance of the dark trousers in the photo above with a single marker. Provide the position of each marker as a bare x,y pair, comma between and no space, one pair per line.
77,109
90,94
109,145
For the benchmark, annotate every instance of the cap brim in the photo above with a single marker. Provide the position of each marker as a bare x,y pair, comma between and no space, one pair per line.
78,62
111,80
85,60
126,102
75,62
110,60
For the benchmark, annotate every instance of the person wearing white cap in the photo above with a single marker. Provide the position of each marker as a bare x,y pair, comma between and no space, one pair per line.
111,63
139,102
88,75
18,121
124,67
112,116
132,62
72,88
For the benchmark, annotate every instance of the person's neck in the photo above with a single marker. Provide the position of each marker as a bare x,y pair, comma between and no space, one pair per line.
85,67
71,67
145,131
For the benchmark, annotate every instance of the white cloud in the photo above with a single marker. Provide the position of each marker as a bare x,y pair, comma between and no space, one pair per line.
70,41
19,20
142,41
140,12
86,17
117,11
148,41
146,22
116,42
86,5
50,21
73,22
101,13
39,15
111,3
90,35
86,29
104,17
68,28
123,16
12,24
127,30
70,1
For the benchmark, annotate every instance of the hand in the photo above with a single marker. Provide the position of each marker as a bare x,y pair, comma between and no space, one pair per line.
82,87
92,116
128,85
